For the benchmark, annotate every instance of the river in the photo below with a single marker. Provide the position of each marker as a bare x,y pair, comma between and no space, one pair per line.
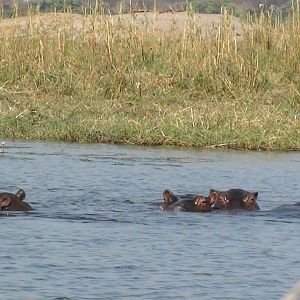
96,231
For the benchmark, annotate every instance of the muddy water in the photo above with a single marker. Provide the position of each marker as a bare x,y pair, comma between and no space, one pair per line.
97,231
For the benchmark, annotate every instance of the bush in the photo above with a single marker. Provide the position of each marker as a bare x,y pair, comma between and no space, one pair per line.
215,6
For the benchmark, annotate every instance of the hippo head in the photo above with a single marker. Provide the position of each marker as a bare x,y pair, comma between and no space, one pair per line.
225,202
221,202
5,202
21,194
202,204
251,201
169,197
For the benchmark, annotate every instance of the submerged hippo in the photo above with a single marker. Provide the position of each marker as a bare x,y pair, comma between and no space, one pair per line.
169,198
202,204
188,202
235,199
14,202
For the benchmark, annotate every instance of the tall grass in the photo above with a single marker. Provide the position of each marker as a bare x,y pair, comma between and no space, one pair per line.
98,78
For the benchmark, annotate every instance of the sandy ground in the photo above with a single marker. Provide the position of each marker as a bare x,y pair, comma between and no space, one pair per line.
154,21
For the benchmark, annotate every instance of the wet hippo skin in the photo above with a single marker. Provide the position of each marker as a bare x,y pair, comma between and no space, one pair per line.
235,199
187,202
14,202
169,198
202,204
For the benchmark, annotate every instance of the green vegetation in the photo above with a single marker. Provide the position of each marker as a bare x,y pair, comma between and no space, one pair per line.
106,82
14,8
216,6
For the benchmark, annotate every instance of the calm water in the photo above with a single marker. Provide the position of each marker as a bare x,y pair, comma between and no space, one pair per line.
97,231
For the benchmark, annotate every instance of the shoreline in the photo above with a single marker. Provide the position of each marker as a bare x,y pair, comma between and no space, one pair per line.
145,124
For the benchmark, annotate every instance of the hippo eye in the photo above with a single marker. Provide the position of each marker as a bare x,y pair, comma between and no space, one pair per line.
224,198
199,201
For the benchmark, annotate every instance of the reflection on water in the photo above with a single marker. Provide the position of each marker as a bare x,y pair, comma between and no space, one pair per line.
97,231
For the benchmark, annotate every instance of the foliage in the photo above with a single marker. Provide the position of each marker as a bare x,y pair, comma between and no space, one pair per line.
215,6
107,81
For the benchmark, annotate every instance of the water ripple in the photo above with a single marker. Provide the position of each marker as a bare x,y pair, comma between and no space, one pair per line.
97,231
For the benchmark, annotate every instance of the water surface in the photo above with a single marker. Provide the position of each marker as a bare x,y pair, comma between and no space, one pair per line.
97,231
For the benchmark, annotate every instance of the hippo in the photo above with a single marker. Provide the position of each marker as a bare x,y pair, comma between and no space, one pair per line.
169,198
235,199
202,204
14,202
188,202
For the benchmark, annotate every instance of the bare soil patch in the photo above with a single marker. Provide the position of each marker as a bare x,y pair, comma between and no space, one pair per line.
163,22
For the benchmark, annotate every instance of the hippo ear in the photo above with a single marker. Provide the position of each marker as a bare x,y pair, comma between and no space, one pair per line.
213,196
213,191
5,202
167,196
166,191
21,194
251,197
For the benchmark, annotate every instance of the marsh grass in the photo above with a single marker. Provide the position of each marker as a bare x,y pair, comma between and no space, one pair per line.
99,78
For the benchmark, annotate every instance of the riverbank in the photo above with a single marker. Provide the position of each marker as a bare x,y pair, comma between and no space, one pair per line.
106,80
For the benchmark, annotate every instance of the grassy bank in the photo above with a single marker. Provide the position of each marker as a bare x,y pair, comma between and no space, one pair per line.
101,79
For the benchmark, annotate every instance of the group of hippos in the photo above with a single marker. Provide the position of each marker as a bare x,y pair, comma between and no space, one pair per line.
233,199
227,200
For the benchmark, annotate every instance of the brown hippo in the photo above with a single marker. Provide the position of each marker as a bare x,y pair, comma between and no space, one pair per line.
169,198
235,199
202,204
188,202
14,202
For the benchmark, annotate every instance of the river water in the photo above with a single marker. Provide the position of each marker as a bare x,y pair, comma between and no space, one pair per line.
97,232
